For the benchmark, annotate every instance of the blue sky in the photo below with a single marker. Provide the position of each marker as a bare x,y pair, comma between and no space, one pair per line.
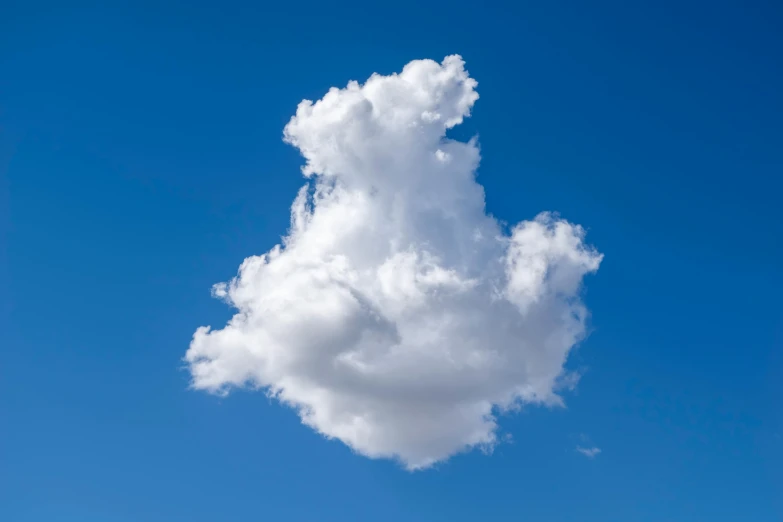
142,161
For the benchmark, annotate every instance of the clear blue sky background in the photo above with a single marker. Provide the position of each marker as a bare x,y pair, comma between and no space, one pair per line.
142,160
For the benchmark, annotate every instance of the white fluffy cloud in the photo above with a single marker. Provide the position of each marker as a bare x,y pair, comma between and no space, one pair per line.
397,316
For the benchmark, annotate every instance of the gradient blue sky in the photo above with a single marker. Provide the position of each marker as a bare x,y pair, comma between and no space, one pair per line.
141,160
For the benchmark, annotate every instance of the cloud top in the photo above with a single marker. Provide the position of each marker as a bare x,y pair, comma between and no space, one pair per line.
396,315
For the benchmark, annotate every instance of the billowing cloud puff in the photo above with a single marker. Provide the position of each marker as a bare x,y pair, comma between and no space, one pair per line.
397,316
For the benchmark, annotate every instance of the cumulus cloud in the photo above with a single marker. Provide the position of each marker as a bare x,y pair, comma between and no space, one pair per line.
590,453
396,315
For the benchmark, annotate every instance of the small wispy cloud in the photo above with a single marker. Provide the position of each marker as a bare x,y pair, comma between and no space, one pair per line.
590,453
